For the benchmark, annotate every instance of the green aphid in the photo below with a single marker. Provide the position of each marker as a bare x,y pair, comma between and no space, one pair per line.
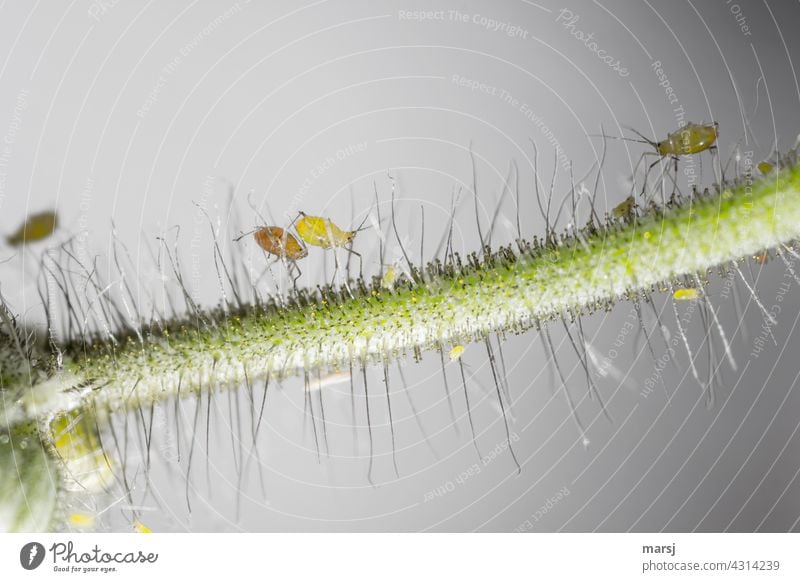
624,209
37,227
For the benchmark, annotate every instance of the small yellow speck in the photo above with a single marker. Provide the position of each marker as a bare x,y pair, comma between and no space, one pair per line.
647,234
685,294
389,277
139,527
765,167
81,519
456,353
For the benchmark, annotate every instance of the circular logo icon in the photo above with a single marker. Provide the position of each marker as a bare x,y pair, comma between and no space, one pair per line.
31,555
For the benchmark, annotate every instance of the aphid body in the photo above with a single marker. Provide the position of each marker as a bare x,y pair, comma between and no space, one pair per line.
280,242
37,227
692,138
686,294
323,232
625,208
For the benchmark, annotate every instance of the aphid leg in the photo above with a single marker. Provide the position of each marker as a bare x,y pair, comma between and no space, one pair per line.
714,152
573,410
292,265
469,408
492,365
447,393
391,422
369,425
350,250
414,411
644,194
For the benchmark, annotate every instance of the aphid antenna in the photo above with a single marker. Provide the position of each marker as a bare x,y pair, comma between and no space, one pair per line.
368,226
644,140
249,232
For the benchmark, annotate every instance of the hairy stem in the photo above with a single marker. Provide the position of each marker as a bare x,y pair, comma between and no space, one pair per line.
458,302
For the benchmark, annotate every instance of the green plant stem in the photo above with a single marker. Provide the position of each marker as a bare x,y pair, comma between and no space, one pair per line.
504,291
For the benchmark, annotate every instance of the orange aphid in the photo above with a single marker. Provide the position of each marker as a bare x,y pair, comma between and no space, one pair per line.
280,242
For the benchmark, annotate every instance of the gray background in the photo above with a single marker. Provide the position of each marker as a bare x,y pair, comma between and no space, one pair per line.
131,113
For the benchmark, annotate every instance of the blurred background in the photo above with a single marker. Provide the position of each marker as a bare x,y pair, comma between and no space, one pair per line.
132,119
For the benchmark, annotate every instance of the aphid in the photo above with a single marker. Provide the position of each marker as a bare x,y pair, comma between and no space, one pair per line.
765,167
456,353
37,227
685,294
280,242
624,209
324,233
691,138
